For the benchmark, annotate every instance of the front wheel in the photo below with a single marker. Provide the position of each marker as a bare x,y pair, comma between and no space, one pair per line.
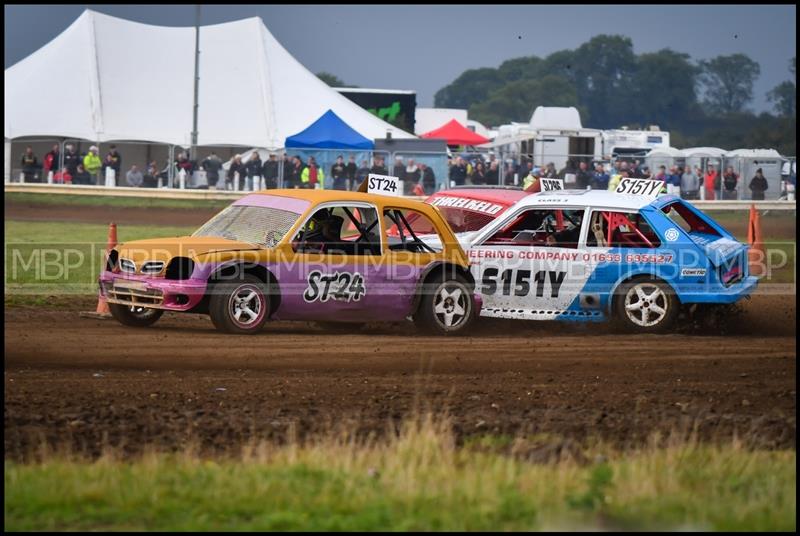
239,306
447,310
646,305
134,315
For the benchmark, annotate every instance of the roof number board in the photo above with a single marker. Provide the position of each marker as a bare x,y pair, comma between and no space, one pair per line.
383,185
645,187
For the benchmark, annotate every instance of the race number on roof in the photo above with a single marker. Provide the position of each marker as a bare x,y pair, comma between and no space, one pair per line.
644,187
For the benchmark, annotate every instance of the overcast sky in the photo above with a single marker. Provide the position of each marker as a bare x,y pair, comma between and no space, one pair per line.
426,47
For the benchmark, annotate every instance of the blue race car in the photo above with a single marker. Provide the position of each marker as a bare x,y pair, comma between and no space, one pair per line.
597,255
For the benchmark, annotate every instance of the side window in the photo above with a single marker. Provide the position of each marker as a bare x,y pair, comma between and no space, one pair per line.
560,228
688,220
408,230
620,230
340,230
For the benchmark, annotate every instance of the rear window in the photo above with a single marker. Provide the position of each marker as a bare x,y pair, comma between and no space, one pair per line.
687,220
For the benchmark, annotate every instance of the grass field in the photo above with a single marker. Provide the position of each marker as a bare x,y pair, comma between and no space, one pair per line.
417,480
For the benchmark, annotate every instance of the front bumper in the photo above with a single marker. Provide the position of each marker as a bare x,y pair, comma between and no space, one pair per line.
152,292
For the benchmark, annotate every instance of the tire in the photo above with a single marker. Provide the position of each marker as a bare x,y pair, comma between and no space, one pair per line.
646,305
134,316
340,327
246,297
446,307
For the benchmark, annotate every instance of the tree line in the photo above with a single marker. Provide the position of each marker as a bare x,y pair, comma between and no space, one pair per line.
700,102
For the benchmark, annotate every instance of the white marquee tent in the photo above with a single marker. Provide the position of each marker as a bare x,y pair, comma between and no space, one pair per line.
110,79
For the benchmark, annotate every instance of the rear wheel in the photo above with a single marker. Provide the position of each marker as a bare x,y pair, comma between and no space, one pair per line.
646,305
134,315
239,306
446,307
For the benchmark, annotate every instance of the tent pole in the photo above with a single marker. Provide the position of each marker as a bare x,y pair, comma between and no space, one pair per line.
196,80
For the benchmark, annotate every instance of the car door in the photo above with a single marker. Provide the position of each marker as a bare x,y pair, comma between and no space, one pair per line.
530,266
338,276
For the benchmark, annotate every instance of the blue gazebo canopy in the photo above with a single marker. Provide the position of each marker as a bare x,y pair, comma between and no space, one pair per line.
329,132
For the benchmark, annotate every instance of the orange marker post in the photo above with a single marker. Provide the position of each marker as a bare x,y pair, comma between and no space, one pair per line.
102,310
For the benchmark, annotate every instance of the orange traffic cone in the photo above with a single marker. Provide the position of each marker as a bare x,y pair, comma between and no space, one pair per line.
756,257
102,310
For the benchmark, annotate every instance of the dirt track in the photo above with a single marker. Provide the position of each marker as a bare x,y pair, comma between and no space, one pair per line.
83,382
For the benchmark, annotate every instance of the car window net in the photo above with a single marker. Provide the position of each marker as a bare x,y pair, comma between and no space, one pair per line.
256,225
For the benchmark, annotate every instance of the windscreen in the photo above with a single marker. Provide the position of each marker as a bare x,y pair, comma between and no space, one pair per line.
263,226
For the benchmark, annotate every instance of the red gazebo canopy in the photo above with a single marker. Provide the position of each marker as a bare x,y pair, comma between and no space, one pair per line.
454,133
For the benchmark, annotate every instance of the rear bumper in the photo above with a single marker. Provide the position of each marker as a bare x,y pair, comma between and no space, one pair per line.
720,294
153,292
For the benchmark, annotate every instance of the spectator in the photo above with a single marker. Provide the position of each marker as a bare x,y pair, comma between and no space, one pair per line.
509,171
298,166
661,175
51,160
182,162
674,181
286,170
758,185
312,176
151,176
550,171
532,182
730,180
234,182
92,164
428,179
493,173
583,178
458,172
690,184
599,179
378,166
134,177
644,173
339,174
211,165
81,176
399,169
361,174
616,178
30,164
479,174
568,174
62,177
413,174
711,182
635,169
270,171
113,160
71,159
350,170
253,170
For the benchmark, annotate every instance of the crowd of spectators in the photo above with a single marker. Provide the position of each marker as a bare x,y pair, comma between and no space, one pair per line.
416,178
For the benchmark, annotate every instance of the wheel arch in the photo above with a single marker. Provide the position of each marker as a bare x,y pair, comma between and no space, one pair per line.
258,270
435,268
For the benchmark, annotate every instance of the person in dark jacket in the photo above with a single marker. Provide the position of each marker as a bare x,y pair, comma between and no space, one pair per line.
51,161
236,167
361,174
458,172
568,174
81,176
339,174
599,178
253,170
399,169
71,159
351,169
583,178
478,176
30,164
378,166
113,160
296,172
270,171
493,173
212,164
730,180
758,185
428,179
